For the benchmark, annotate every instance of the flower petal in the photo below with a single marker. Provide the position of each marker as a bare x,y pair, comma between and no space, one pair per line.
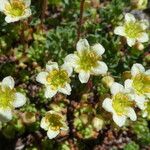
131,114
51,66
68,68
65,127
119,31
148,95
100,69
147,72
71,59
82,45
9,82
119,120
20,100
66,90
140,101
116,88
107,105
84,76
129,17
143,38
98,49
2,4
128,85
131,42
41,77
144,24
10,19
145,114
136,69
52,134
49,93
27,3
27,13
44,124
5,115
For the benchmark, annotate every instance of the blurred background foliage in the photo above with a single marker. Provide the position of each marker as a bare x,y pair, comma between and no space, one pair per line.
26,46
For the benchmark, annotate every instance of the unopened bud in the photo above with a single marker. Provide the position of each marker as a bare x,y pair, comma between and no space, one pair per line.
84,118
108,81
28,117
139,4
126,75
55,107
139,46
147,58
87,4
97,123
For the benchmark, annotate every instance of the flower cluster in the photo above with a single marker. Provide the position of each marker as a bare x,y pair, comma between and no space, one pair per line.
15,10
135,92
86,61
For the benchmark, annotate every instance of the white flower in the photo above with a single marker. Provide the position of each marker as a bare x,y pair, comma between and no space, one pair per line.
139,85
53,123
15,10
87,60
9,99
133,30
120,105
55,79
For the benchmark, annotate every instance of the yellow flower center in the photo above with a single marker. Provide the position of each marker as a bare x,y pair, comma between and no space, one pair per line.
120,103
58,78
7,96
141,83
54,121
133,29
88,60
15,8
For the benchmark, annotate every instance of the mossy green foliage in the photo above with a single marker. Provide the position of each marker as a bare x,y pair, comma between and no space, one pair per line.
142,131
131,146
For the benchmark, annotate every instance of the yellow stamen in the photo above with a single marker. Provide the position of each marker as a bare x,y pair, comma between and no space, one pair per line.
15,8
141,83
120,103
54,121
7,96
133,29
88,60
58,78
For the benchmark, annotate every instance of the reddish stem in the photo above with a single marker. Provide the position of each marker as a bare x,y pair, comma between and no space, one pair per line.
81,18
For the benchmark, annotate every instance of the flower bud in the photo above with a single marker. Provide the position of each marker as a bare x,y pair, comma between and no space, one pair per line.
84,118
126,75
147,58
139,46
97,123
139,4
107,81
28,117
